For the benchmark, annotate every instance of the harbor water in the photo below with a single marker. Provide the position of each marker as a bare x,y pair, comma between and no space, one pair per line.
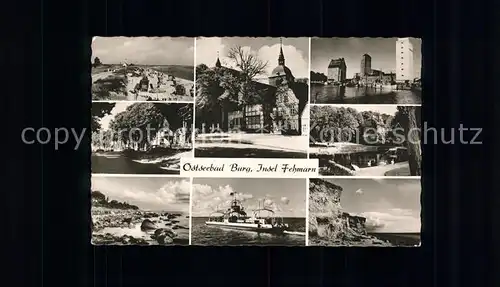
210,235
330,94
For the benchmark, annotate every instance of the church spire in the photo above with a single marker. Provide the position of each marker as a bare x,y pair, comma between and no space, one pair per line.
281,58
217,64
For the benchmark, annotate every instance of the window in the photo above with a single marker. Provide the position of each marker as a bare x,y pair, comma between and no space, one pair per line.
401,59
285,99
253,122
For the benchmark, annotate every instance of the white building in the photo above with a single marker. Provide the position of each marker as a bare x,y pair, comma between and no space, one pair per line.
404,60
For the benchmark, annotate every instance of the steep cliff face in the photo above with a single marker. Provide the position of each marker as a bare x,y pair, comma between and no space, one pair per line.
328,224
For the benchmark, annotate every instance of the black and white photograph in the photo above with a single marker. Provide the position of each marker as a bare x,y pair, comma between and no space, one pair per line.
142,69
366,71
249,211
367,141
251,97
140,210
364,212
140,137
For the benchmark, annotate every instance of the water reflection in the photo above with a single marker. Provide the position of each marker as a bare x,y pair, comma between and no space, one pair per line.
330,94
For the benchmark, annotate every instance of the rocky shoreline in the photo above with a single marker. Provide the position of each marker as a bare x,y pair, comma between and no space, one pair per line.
329,225
157,228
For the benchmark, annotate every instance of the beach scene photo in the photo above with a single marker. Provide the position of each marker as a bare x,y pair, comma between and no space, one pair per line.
140,211
249,211
140,138
364,212
251,97
142,69
366,71
360,140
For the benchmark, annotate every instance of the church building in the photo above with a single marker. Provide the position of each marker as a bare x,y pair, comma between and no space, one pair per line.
279,108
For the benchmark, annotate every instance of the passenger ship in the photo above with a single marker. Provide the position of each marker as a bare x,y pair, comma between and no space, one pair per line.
235,217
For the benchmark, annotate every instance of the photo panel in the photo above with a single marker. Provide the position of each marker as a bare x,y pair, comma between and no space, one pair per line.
251,97
140,137
140,210
366,71
366,141
249,211
364,212
143,69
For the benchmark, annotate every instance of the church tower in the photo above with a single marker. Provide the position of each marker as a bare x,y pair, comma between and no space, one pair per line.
281,57
281,74
217,63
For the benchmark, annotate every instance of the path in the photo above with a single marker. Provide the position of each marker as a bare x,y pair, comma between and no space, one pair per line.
380,170
101,75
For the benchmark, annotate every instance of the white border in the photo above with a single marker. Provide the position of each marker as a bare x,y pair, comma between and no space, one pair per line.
308,106
191,179
371,105
369,177
137,175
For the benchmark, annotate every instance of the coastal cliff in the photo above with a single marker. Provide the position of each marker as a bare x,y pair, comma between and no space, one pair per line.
329,225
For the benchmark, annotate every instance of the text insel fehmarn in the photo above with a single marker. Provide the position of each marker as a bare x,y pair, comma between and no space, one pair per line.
285,168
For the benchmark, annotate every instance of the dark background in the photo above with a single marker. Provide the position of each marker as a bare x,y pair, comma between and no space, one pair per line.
47,58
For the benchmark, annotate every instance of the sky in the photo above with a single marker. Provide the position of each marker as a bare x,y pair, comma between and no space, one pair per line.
119,107
382,51
295,50
286,196
148,193
144,50
389,205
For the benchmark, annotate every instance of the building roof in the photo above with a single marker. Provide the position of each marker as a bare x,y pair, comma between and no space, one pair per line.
281,71
335,63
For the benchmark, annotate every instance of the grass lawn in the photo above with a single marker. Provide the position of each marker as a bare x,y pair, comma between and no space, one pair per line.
102,88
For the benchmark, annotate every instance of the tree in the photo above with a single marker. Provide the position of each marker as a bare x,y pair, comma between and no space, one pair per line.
409,118
99,110
208,88
241,88
220,89
149,118
144,117
97,62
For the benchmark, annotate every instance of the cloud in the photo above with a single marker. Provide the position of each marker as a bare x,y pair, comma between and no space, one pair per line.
285,200
174,194
144,50
392,220
296,60
207,199
359,191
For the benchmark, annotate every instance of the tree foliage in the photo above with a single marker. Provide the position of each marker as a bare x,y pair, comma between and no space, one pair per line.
97,62
367,127
99,110
221,89
410,118
318,77
140,122
99,199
